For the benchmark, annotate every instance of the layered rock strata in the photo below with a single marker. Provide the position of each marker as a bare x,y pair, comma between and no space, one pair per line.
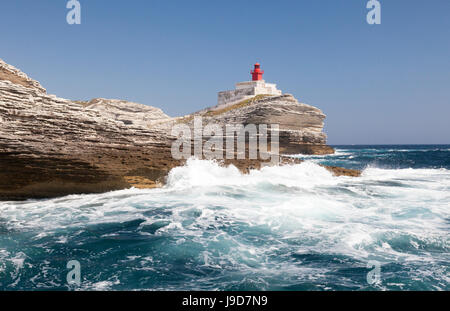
50,146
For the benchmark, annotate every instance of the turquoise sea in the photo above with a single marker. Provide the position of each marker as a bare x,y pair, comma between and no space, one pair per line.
281,228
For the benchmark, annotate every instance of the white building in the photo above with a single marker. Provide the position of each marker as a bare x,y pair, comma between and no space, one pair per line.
248,89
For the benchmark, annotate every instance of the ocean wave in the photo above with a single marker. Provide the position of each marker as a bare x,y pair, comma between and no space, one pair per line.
337,153
209,173
212,227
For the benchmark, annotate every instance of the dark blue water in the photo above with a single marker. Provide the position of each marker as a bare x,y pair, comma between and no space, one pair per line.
211,228
391,156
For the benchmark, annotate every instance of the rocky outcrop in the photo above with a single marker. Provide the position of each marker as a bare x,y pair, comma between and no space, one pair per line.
50,146
128,113
15,76
300,125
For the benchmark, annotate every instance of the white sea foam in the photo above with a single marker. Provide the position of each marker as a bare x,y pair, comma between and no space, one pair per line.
200,182
364,218
337,153
198,173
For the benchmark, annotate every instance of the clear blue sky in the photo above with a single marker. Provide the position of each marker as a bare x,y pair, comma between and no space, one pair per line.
377,84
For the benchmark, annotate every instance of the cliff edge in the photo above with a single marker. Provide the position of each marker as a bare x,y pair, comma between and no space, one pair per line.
51,146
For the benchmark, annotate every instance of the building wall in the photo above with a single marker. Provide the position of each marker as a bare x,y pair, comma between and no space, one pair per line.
245,90
234,95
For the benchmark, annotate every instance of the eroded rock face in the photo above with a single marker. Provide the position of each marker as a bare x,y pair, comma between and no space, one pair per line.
50,146
128,113
14,75
300,125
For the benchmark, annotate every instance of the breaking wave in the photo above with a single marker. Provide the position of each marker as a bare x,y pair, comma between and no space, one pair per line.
293,227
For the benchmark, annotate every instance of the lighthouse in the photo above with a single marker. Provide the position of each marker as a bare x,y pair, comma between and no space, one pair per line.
257,73
248,89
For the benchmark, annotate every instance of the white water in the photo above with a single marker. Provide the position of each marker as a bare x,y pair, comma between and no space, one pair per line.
393,216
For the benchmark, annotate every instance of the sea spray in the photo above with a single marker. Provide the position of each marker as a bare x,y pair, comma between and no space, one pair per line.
292,227
199,173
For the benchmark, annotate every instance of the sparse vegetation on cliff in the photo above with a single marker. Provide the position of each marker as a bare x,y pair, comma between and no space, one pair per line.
241,104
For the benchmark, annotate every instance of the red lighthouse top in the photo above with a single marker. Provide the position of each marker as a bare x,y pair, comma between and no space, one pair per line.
257,73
